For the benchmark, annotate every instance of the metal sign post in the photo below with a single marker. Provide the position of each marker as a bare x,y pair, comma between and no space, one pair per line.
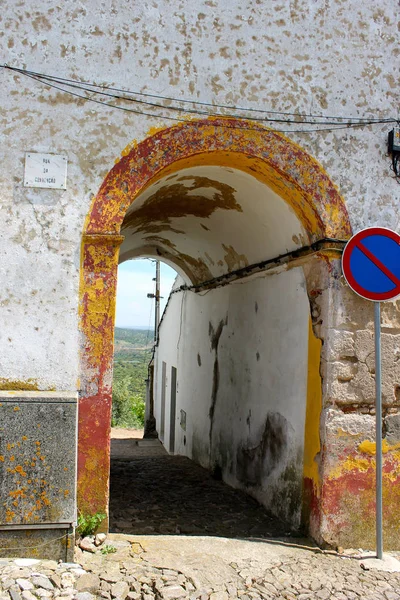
371,266
378,429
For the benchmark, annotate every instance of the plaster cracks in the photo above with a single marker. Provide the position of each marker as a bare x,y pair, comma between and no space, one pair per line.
215,336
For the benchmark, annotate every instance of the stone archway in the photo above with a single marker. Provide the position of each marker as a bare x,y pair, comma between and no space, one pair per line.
280,164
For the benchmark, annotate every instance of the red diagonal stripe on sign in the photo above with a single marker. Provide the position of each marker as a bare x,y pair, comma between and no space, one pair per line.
379,264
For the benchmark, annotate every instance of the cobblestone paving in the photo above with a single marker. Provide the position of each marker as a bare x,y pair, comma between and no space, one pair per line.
128,573
171,494
225,554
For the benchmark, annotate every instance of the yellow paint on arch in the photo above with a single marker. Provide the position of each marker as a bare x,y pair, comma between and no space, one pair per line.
312,443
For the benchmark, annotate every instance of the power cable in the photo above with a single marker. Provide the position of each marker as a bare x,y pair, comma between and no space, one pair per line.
304,251
49,80
84,84
84,87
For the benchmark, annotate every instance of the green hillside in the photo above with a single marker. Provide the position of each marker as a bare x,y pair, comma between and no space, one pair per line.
132,353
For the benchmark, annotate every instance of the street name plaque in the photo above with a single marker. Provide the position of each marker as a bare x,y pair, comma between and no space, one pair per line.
45,171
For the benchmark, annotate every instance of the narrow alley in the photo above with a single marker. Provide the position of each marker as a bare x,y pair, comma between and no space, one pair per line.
154,493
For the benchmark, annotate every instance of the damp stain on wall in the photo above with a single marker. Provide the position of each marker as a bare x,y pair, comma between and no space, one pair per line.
269,462
215,336
259,457
179,200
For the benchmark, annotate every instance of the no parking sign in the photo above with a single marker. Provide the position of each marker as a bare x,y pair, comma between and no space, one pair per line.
371,266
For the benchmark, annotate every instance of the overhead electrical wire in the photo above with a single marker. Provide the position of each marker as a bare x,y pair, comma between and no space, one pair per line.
86,87
184,100
56,83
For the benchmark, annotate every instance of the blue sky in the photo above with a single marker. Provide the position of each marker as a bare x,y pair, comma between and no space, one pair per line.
135,281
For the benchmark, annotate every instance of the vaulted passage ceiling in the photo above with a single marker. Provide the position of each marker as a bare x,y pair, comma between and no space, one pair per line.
207,221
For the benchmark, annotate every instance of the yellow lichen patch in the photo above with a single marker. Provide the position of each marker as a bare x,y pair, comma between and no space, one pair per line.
19,469
10,514
1,458
16,408
352,463
368,447
28,385
17,494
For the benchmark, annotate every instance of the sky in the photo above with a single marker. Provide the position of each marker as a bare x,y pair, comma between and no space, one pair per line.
135,281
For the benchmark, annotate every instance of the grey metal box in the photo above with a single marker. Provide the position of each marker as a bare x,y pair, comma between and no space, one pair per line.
38,441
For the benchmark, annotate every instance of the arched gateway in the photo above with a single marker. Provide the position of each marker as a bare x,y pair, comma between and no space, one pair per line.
213,197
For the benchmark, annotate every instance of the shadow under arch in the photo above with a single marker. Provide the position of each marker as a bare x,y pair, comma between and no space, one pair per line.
279,163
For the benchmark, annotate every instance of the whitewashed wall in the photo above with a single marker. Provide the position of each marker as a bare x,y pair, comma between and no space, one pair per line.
241,354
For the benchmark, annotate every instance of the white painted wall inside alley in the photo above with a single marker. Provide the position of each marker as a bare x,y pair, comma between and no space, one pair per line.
241,353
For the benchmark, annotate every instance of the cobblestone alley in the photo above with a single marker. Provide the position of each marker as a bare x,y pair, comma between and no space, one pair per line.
154,493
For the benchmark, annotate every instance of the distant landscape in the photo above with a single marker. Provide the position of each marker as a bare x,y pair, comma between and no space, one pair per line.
133,348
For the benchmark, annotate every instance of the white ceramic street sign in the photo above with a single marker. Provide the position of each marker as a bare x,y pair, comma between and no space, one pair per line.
45,170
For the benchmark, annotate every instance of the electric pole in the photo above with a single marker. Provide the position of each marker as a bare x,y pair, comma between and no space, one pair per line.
157,301
150,421
157,298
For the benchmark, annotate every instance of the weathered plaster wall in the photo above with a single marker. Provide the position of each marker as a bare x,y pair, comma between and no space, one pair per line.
241,354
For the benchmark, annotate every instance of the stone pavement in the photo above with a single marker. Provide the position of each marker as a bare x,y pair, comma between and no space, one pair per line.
232,547
197,568
154,493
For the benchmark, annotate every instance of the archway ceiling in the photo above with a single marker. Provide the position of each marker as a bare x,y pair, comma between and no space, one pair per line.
207,221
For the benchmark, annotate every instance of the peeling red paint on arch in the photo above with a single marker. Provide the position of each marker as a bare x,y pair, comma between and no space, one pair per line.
270,157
